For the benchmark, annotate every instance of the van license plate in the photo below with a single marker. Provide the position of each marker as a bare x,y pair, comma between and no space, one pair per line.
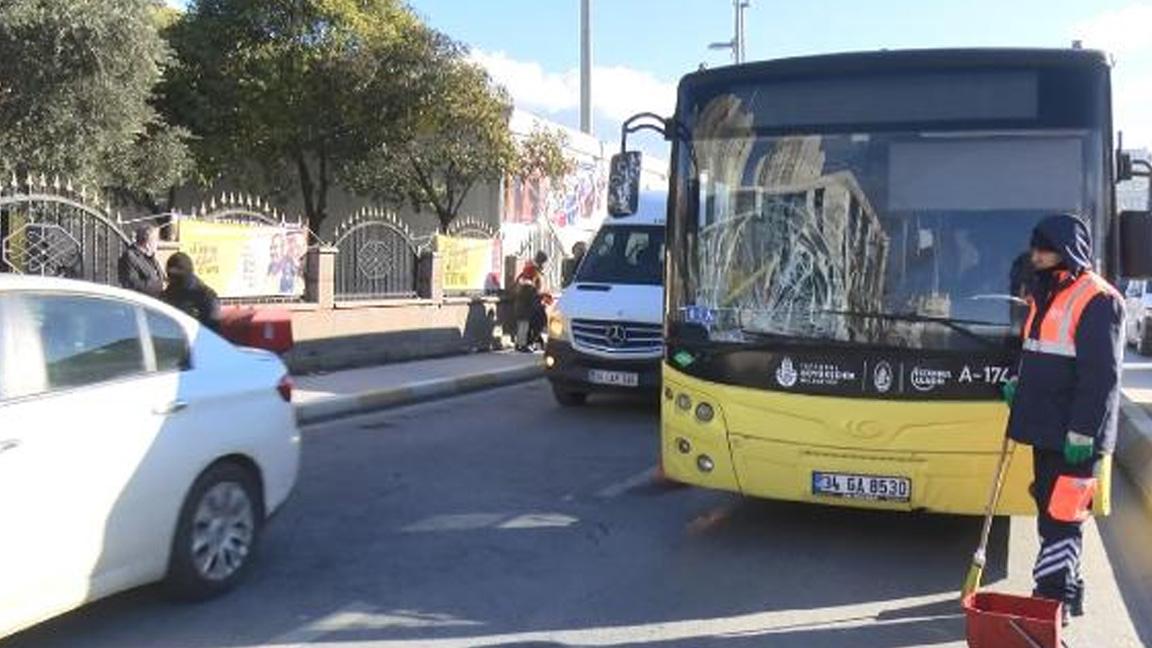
614,378
872,487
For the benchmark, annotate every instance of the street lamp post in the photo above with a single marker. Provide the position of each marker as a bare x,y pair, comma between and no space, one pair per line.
586,66
737,42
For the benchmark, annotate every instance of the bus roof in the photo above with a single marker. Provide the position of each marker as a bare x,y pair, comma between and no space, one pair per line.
899,60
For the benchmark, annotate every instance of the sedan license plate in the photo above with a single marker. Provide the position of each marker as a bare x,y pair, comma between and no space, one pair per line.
614,378
871,487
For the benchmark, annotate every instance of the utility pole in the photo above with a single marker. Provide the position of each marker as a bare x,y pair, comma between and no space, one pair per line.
586,66
737,42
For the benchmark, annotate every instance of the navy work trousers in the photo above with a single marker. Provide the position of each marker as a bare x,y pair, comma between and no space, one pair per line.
1057,571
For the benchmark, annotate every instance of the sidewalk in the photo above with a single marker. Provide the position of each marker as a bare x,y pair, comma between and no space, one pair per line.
1134,446
323,396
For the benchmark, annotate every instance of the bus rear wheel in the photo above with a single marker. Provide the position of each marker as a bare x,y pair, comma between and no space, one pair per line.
569,398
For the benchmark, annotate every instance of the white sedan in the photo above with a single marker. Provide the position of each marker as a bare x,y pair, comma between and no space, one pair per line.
135,446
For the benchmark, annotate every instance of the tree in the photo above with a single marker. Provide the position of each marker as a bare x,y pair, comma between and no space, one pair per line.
542,154
76,91
460,138
296,91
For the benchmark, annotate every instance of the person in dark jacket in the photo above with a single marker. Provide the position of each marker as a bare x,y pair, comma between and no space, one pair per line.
188,293
138,268
1067,395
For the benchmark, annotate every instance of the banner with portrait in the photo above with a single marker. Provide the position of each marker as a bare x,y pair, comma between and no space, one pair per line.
239,260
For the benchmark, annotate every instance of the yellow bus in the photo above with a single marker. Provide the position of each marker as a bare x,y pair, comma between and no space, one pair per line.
846,266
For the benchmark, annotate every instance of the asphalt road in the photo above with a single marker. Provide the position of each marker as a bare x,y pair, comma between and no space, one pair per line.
499,519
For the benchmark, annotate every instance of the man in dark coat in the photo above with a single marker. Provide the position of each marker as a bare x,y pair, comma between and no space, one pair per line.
188,293
1066,401
138,268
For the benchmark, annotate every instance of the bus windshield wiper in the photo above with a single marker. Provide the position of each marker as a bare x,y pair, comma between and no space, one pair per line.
958,325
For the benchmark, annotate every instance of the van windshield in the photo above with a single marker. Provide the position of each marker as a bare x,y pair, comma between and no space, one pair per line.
624,254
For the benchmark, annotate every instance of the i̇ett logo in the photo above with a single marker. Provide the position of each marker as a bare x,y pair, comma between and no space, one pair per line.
786,374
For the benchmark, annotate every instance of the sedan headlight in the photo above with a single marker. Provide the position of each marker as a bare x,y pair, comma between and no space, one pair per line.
556,328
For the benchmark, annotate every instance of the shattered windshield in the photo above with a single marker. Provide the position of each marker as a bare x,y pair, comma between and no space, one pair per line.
908,239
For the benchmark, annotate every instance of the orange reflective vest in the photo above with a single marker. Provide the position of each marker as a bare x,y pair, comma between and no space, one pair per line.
1057,331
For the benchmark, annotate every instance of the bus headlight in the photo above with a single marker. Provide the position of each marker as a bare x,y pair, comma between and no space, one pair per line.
556,328
705,413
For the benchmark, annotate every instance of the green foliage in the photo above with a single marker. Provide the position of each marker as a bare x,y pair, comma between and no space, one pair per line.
542,154
76,90
296,91
458,138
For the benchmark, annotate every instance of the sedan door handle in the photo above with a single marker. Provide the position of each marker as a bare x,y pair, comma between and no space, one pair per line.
171,408
9,444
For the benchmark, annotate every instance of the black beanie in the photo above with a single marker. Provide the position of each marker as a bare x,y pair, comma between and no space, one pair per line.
1041,242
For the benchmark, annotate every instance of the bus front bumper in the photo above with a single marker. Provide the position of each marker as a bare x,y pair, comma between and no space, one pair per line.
781,447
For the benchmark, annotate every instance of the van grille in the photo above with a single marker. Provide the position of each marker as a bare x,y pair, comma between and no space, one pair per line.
624,338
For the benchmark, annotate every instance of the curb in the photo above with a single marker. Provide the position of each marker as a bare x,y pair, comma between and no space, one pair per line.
1134,447
327,409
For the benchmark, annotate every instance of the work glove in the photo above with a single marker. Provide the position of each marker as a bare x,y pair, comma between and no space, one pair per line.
1078,448
1008,391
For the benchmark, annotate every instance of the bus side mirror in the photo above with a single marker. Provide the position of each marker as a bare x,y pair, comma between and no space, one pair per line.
624,184
1136,244
1123,166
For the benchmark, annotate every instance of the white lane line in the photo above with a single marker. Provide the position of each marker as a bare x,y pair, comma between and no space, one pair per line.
619,488
758,624
359,616
347,617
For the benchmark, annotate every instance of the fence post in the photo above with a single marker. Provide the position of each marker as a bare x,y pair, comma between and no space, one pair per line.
320,277
430,276
511,264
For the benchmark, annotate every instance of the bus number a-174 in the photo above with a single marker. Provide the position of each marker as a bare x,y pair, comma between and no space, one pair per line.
987,374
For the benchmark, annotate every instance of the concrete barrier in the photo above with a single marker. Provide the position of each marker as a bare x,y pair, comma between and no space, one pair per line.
326,409
1134,447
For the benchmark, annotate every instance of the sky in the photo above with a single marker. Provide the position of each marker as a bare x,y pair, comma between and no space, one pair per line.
642,47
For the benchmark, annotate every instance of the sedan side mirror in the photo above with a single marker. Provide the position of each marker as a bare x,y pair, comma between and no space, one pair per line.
624,184
1136,244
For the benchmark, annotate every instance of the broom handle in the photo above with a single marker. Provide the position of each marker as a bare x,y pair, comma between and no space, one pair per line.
990,512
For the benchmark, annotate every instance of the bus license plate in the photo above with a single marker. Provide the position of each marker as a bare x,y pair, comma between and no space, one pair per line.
614,378
872,487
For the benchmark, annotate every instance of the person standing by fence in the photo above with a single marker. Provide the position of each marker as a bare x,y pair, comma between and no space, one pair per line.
188,293
138,268
529,284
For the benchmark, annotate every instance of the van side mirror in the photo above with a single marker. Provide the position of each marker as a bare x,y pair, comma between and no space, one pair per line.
624,184
1136,244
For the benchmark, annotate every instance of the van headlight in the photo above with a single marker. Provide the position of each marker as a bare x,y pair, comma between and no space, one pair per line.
557,330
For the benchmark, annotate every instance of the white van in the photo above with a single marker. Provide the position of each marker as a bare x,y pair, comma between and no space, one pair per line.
606,331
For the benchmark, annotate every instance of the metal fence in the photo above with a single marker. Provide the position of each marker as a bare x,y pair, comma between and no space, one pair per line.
377,257
542,237
52,229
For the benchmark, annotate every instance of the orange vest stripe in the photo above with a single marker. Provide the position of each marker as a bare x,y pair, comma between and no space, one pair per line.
1058,330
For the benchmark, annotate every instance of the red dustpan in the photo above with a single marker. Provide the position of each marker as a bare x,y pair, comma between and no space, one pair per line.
1007,621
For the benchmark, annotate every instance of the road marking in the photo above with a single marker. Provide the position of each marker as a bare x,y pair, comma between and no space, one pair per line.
360,616
619,488
476,521
843,617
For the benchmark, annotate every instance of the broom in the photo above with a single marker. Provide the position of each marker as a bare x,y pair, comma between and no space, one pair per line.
976,571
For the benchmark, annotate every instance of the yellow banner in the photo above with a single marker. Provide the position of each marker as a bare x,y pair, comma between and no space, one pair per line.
246,260
466,262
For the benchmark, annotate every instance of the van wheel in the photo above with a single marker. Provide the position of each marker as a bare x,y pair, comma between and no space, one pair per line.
1143,340
217,534
569,398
